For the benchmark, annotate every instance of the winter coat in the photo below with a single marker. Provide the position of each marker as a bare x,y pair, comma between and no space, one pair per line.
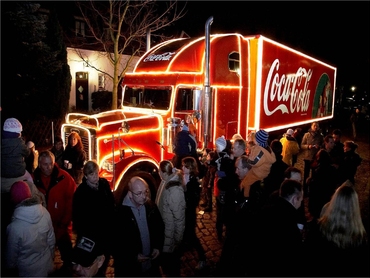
209,177
322,185
171,204
77,158
192,198
185,145
93,211
349,166
31,240
128,242
276,176
13,154
311,138
290,148
58,192
276,232
260,159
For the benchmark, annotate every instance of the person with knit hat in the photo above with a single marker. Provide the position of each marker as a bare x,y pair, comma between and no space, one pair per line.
260,159
13,151
221,144
30,235
290,147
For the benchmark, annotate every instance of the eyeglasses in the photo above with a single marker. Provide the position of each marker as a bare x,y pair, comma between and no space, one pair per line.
141,193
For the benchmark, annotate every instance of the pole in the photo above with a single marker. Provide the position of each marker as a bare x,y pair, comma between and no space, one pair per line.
52,133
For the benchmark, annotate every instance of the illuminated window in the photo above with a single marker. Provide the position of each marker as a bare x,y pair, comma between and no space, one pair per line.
234,62
101,81
148,97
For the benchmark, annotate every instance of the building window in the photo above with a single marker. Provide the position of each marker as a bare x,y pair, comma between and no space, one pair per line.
80,28
101,82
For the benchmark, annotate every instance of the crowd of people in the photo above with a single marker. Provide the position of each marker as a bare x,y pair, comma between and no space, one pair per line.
259,200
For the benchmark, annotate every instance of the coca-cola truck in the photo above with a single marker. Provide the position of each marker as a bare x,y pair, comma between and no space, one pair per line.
219,84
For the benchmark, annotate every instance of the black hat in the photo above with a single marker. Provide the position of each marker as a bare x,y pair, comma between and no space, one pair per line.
86,251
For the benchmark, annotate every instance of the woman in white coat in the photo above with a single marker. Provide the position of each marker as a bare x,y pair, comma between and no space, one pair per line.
171,204
30,235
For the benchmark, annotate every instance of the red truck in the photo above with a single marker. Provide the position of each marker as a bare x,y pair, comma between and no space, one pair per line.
220,84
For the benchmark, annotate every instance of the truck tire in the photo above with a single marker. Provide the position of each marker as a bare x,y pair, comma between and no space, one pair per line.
122,189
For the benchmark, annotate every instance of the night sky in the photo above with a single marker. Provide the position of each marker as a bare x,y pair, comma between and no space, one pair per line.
335,32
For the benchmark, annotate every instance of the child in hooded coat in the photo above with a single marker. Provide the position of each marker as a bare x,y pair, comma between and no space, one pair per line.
260,159
31,239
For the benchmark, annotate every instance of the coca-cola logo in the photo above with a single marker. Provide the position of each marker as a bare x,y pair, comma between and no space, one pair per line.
159,57
288,89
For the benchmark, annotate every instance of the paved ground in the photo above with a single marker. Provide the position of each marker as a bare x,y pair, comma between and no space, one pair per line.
206,221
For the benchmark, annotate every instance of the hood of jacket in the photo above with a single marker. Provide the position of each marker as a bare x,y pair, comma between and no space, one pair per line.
175,179
29,210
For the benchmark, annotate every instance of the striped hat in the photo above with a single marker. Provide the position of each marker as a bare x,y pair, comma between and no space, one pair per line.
262,137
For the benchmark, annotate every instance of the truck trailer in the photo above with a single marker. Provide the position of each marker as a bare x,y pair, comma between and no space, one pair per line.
219,84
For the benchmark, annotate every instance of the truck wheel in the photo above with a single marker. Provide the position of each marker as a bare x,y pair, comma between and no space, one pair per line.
121,191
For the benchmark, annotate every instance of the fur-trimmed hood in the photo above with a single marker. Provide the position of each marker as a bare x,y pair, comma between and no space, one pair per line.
175,179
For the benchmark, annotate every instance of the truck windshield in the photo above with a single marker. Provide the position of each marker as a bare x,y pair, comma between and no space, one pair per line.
147,97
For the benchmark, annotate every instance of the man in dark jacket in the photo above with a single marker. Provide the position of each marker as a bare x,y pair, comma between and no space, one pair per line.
139,233
93,210
276,233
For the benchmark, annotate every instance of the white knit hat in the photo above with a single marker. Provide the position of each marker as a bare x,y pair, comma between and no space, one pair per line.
221,143
290,132
12,125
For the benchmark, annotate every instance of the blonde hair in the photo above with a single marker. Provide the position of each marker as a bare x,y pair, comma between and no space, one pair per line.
340,222
169,172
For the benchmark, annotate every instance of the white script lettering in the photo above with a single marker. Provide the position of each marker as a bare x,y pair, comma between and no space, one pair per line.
282,87
160,57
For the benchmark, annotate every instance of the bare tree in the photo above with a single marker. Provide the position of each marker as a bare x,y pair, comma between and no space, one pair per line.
118,28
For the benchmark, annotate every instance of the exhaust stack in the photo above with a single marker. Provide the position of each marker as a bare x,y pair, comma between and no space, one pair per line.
207,92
